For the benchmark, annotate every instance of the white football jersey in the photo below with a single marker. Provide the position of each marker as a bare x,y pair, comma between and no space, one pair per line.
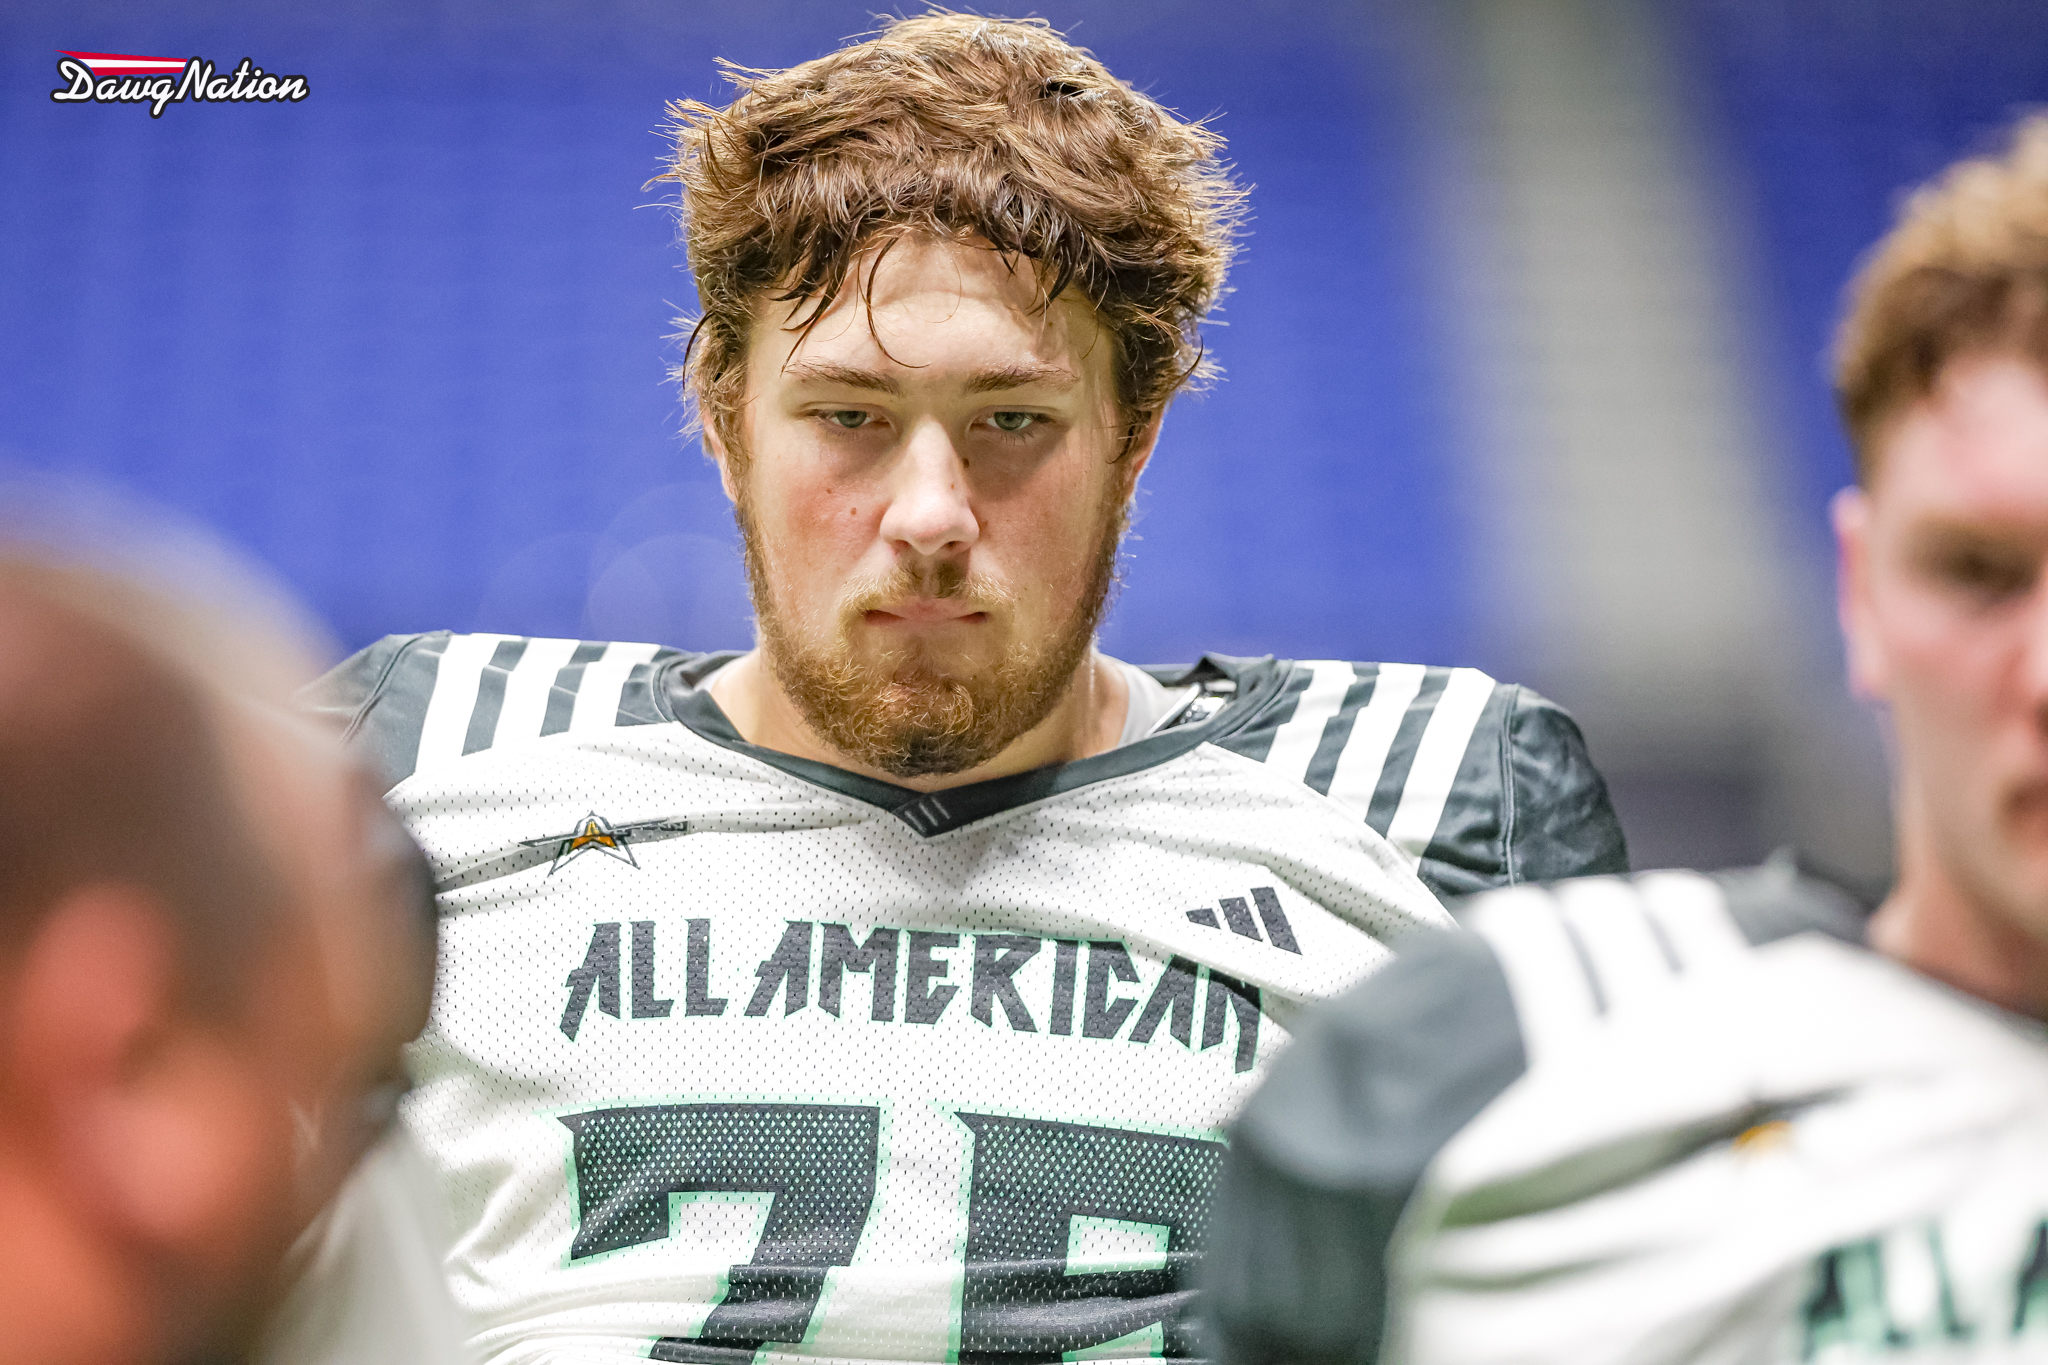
1683,1120
736,1054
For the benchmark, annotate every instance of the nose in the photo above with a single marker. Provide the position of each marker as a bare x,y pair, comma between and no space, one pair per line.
929,511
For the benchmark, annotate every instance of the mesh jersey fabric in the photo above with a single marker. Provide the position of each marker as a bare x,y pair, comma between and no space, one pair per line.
1681,1119
1480,784
737,1057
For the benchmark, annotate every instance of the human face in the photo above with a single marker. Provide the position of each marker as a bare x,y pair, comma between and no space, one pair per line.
1945,604
204,1120
931,495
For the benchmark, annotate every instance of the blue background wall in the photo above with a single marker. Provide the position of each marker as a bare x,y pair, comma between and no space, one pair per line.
405,341
1828,112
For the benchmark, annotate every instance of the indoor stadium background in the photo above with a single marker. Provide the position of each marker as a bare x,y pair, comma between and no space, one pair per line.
1525,358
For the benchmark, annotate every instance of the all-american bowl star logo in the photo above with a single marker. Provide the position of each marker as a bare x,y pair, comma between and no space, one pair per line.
598,835
125,78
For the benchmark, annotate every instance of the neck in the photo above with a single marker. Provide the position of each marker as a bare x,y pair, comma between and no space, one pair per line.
1087,720
1939,926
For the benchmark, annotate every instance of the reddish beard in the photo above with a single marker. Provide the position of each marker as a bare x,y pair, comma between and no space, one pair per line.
909,711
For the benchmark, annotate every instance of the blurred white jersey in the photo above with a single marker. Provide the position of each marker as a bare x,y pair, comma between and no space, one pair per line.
1739,1136
734,1054
366,1283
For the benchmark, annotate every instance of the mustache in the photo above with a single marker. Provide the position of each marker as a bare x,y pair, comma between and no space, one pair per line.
946,580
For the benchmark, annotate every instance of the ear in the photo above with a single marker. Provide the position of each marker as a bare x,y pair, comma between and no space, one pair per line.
1869,678
1140,452
153,1128
714,445
91,1000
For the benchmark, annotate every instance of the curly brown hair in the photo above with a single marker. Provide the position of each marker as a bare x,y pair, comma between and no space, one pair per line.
992,131
1965,271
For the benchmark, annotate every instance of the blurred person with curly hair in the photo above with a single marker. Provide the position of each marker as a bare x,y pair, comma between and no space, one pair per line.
1747,1117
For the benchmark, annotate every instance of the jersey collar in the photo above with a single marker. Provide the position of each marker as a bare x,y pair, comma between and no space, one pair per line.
1253,685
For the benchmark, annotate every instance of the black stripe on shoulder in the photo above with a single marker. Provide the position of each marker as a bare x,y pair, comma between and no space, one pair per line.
1322,769
1327,1153
1386,797
378,699
490,694
569,677
1469,852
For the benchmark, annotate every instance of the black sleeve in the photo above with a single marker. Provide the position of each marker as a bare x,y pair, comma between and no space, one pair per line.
377,699
1528,804
1326,1154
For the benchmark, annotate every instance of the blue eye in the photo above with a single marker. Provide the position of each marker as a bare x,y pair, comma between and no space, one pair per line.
852,419
1012,422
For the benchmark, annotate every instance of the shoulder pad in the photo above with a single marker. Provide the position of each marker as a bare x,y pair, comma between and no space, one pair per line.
414,701
1573,950
1478,784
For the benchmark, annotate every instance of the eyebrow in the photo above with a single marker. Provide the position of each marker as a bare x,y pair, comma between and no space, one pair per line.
1054,377
1944,532
845,376
996,380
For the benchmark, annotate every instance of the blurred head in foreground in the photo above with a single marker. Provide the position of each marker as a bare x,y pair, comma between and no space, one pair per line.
213,942
1942,372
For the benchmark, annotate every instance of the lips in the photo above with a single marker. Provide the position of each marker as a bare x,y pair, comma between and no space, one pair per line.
922,611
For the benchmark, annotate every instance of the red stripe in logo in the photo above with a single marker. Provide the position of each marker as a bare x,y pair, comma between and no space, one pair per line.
126,63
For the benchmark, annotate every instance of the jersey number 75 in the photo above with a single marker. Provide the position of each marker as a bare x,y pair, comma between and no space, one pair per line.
817,1162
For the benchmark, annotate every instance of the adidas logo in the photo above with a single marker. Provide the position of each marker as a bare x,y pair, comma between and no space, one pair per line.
1238,916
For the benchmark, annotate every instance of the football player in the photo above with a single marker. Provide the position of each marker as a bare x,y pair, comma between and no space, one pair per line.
1739,1118
880,992
213,943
